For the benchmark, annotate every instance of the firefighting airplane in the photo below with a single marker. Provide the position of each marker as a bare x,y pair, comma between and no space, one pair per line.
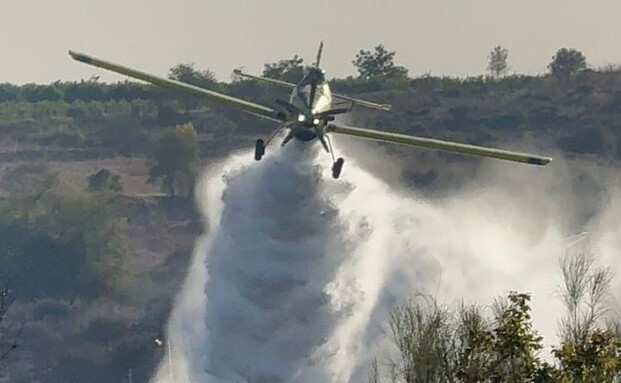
310,113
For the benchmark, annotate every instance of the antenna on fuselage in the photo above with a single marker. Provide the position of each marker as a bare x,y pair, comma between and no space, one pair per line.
319,55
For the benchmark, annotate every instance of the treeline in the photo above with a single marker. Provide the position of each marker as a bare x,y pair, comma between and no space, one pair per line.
371,66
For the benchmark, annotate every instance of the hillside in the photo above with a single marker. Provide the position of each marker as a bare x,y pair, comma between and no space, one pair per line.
77,129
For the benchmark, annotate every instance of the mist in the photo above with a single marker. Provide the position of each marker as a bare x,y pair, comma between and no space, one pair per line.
297,273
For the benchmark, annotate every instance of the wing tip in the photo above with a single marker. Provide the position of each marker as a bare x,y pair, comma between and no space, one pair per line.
80,57
542,161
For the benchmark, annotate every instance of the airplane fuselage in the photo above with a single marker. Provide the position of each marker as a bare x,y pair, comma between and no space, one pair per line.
312,98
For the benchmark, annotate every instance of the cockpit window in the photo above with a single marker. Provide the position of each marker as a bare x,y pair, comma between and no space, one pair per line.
314,75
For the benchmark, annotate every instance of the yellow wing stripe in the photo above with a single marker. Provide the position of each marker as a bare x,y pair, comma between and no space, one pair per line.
251,107
439,144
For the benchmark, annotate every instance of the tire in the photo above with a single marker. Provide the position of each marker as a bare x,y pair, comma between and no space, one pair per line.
259,149
337,167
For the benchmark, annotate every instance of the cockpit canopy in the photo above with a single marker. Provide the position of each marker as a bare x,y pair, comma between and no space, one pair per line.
313,75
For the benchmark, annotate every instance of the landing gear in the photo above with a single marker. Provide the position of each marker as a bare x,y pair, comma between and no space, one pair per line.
259,149
337,167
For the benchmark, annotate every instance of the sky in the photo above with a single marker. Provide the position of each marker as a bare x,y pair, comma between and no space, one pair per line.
440,37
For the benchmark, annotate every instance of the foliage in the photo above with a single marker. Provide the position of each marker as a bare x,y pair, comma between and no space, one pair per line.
588,352
290,70
567,63
379,63
174,159
104,180
187,74
57,246
498,61
437,344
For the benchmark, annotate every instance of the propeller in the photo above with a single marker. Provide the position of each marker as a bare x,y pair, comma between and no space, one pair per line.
318,60
314,83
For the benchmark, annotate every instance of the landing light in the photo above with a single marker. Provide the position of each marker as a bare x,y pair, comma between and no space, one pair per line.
301,118
316,121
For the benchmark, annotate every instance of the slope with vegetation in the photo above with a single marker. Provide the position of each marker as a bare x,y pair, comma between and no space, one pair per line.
97,218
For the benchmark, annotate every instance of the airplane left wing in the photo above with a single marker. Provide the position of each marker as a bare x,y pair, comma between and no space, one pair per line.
439,144
250,107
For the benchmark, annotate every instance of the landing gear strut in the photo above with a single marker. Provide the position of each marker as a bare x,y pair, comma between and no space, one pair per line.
259,149
337,167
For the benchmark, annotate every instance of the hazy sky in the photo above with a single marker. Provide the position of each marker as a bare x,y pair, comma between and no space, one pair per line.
451,37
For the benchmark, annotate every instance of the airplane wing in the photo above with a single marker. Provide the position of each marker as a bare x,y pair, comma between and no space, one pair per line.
439,144
247,106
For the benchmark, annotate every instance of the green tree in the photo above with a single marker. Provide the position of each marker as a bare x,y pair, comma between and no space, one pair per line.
187,74
60,246
104,180
439,344
498,62
290,70
174,159
567,63
378,64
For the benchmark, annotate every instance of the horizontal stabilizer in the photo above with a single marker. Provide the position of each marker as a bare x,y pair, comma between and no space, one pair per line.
268,80
366,104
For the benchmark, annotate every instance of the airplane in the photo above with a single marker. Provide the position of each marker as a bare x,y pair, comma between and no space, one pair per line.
310,113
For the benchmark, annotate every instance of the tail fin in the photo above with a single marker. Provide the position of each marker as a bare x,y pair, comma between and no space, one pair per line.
319,55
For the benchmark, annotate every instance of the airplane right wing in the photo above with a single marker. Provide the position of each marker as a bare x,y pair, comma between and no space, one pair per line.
431,143
250,107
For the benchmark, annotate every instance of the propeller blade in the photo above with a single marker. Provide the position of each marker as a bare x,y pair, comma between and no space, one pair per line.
318,60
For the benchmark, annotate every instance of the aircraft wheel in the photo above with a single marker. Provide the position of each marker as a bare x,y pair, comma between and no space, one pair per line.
337,167
259,149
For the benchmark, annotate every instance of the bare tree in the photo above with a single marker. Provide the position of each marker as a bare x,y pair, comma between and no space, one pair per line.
586,295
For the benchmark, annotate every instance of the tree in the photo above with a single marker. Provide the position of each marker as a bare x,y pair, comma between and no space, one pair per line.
104,180
439,344
498,65
290,70
174,159
589,351
378,64
187,74
567,63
